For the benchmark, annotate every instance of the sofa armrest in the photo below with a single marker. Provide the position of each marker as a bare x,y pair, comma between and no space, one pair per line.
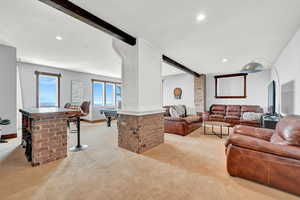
205,115
175,119
261,133
260,145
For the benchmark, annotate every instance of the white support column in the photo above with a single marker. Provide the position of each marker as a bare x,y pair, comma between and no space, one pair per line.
142,96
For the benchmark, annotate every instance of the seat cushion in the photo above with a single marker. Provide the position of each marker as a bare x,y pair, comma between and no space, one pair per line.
232,117
192,119
216,116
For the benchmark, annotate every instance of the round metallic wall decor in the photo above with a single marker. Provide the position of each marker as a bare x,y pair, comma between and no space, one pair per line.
177,93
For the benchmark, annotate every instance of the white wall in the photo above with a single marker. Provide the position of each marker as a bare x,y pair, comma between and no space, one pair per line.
8,92
288,66
28,85
257,91
186,83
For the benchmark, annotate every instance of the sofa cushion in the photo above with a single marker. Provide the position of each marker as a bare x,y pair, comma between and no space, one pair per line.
255,109
249,121
217,116
232,117
233,109
277,139
289,129
192,119
218,108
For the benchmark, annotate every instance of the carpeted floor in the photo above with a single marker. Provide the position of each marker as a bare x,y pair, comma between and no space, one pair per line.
191,167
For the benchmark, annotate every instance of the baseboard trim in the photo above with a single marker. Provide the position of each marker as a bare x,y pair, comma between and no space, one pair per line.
95,121
9,136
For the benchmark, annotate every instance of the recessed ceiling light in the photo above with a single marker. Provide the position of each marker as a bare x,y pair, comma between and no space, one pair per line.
201,17
224,60
58,38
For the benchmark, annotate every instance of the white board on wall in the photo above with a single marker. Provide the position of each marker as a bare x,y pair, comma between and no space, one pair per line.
76,92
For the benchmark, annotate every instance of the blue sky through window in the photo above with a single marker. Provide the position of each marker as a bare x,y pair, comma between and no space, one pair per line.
109,90
106,94
48,92
98,93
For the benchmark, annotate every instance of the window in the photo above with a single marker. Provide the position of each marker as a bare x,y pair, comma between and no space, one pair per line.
109,94
48,89
118,95
106,93
98,93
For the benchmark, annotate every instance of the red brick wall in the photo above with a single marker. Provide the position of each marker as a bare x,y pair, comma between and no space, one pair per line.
49,140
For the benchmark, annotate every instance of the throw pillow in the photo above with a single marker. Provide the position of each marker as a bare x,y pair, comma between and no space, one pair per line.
180,110
252,116
173,112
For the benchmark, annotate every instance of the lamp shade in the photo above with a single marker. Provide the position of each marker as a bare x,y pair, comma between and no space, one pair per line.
252,67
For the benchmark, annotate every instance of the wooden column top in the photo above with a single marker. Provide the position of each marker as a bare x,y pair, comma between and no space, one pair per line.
50,113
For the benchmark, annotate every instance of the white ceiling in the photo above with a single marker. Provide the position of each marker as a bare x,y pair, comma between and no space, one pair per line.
239,30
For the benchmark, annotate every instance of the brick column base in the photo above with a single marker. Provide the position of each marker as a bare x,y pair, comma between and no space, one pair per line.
140,133
49,140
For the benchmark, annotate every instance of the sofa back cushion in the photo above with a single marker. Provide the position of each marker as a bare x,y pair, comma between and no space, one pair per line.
218,109
233,110
289,129
247,108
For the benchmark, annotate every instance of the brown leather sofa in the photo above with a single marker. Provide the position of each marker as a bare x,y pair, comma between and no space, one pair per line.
181,125
267,156
232,114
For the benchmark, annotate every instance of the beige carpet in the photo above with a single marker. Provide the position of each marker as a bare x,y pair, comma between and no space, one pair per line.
191,167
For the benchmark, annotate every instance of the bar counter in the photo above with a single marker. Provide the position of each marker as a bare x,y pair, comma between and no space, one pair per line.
44,133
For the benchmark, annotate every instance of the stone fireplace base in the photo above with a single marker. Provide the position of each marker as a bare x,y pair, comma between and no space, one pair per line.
140,133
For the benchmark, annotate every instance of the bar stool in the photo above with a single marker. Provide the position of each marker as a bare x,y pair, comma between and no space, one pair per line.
85,110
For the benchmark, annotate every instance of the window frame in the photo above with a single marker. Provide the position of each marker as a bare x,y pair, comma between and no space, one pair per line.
38,74
104,92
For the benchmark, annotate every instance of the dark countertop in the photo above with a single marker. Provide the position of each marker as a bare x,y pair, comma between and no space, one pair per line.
49,113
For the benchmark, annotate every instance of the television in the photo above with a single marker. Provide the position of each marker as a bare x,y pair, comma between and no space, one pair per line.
272,98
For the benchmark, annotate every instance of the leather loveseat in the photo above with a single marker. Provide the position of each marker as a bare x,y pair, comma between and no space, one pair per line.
267,156
232,114
181,125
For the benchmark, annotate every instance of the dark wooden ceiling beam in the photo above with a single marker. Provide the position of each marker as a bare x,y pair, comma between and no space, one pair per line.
79,13
75,11
172,62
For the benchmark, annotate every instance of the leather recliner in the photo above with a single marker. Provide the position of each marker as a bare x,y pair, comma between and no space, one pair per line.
267,156
181,125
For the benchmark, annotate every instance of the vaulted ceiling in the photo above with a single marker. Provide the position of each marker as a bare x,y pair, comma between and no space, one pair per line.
239,31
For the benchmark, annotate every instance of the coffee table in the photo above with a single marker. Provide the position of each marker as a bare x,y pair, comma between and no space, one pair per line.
218,124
